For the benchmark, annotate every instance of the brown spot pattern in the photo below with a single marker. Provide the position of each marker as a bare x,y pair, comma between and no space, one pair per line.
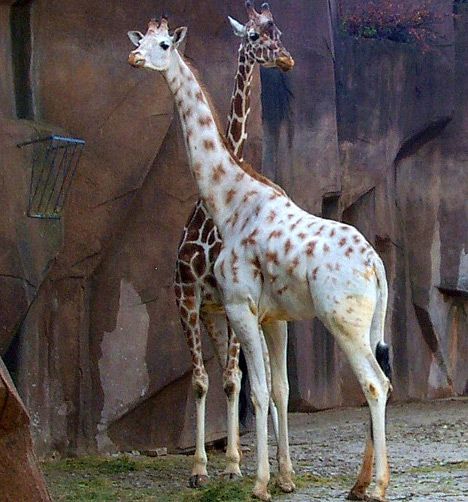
257,268
205,121
311,248
275,234
218,173
230,195
314,273
272,257
197,169
249,194
271,217
293,265
250,239
208,144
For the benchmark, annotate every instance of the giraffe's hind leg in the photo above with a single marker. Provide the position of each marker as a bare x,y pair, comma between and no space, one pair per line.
227,349
272,406
350,321
188,306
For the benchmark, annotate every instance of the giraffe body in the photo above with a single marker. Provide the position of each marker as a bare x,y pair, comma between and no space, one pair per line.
279,263
289,253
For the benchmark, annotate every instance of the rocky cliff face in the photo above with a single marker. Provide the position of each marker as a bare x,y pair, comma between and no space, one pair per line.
367,131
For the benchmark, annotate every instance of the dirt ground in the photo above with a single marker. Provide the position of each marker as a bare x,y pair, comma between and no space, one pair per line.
428,452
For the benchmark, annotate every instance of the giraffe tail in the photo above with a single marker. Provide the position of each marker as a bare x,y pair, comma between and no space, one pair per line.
382,350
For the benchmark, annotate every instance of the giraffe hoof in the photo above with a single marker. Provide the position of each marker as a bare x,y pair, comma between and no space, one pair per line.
261,494
355,495
285,485
198,480
376,498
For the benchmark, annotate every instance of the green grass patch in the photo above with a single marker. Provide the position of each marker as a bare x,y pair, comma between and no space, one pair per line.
125,478
449,467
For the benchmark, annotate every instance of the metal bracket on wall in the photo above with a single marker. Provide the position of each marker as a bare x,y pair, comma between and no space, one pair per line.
55,160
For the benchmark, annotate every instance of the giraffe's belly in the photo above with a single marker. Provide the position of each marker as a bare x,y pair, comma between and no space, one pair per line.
286,300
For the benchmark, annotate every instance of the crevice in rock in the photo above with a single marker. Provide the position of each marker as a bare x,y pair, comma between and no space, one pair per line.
431,339
453,291
331,205
22,279
418,140
117,197
82,260
21,48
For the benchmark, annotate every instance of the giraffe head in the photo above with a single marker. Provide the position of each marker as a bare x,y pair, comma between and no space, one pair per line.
154,50
262,38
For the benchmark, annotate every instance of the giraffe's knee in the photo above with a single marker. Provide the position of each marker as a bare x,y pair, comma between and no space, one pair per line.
232,382
376,389
200,382
260,400
280,391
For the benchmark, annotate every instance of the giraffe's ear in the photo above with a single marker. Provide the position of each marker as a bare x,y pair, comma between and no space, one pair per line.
238,28
135,37
179,35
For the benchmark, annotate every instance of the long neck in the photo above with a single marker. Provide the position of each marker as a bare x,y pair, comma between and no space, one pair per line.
222,183
236,133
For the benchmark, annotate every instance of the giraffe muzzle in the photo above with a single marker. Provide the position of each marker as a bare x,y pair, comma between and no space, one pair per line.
285,63
136,60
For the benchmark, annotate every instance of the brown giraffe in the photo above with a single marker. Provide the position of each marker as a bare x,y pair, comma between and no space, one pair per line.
198,297
280,263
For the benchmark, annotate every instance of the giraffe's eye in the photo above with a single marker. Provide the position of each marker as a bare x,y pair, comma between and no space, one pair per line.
254,36
164,45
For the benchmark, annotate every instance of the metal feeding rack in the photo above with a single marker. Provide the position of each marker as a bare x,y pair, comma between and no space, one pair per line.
55,159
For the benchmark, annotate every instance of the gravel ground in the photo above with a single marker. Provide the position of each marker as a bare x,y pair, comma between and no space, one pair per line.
428,454
427,442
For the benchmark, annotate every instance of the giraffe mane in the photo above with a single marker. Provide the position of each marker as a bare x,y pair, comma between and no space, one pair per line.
245,166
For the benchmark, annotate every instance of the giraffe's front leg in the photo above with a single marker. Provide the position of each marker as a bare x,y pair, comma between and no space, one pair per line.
245,324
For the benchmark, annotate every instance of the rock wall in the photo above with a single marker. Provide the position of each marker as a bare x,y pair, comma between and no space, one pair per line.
370,132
